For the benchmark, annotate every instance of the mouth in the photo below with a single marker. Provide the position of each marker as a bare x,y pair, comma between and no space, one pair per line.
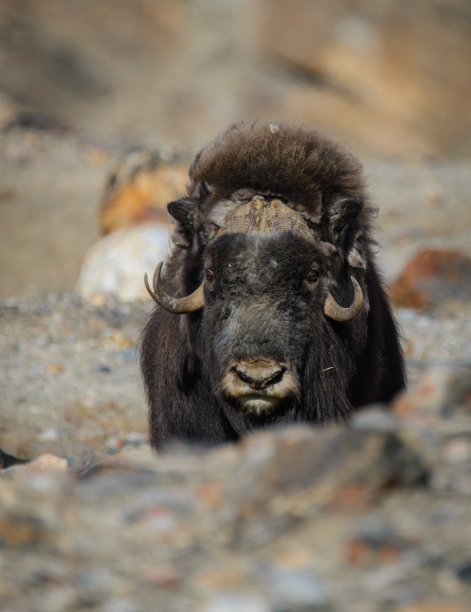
258,405
258,387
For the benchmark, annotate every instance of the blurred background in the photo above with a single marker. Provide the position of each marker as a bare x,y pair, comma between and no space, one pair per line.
389,77
83,82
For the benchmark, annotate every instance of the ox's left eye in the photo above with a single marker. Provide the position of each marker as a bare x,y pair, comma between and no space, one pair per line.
312,276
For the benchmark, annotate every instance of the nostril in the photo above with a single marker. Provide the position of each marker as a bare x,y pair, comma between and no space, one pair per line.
260,382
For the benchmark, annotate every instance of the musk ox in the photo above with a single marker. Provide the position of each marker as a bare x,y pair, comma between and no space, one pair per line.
270,305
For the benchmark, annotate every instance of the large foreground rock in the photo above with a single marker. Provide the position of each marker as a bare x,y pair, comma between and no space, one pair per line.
294,519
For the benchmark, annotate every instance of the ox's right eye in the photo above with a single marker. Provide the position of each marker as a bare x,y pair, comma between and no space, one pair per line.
209,274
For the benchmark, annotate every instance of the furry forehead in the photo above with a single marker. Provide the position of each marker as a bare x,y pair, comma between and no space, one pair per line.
279,159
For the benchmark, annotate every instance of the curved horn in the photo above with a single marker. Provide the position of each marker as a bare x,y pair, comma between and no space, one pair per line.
190,303
333,310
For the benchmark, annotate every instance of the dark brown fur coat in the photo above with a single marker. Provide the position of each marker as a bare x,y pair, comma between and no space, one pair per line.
182,354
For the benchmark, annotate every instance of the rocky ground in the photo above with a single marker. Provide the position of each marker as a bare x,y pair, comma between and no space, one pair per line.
366,517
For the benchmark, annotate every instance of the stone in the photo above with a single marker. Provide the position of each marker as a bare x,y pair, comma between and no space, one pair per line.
374,418
235,602
438,391
297,589
457,451
116,264
232,529
433,277
375,541
138,189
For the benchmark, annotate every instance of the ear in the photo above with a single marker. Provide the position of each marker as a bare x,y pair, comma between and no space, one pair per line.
185,213
343,220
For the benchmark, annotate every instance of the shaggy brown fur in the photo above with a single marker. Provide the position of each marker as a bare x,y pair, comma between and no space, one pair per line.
291,162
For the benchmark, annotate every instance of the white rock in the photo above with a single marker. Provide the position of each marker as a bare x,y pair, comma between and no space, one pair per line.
117,263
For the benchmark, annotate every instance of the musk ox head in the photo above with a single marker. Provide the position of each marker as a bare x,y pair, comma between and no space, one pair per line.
265,303
270,263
